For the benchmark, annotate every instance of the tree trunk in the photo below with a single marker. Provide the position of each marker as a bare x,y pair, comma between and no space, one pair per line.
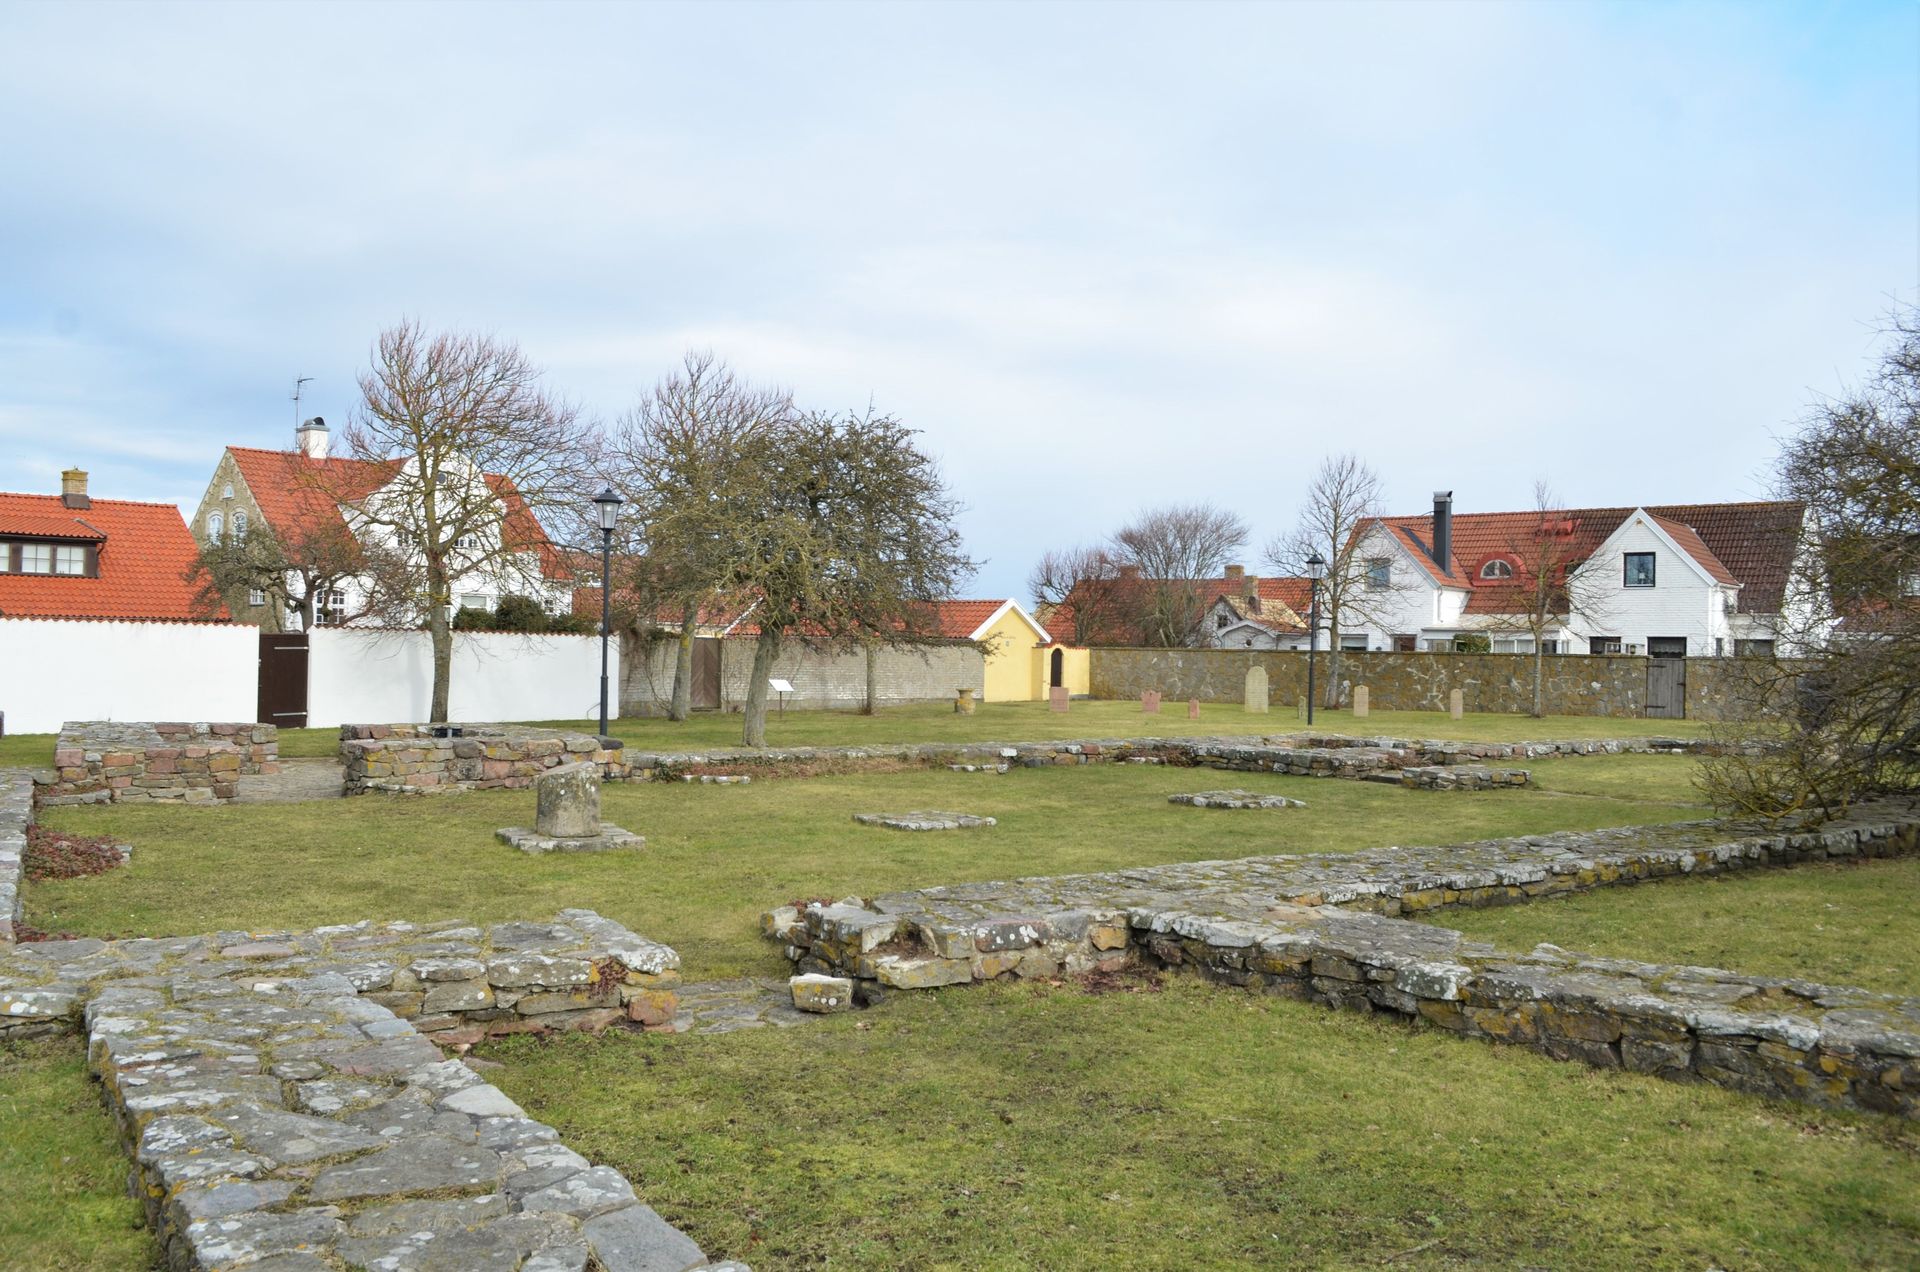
873,679
1332,690
765,651
1539,677
439,589
682,704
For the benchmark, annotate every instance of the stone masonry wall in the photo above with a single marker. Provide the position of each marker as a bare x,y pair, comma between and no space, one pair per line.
408,758
822,679
110,761
1277,925
1575,684
16,814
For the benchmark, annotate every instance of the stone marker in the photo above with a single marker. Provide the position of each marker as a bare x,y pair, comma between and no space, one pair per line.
1150,702
567,801
1193,708
1235,798
1456,704
819,993
923,819
963,701
567,815
1257,690
1361,703
1057,698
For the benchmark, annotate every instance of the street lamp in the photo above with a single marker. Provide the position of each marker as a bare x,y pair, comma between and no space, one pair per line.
1316,570
607,505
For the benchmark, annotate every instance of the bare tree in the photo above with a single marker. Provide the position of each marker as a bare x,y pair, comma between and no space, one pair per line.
850,541
1850,701
1174,548
1545,578
1343,499
476,449
295,566
1083,584
682,452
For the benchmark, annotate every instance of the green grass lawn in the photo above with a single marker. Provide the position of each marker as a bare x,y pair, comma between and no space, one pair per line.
63,1180
1844,924
1027,1126
717,856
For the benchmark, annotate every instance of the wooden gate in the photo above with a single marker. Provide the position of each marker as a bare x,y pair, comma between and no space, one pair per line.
1666,685
706,674
283,680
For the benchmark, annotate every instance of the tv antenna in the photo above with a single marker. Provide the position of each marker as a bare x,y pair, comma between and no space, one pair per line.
297,385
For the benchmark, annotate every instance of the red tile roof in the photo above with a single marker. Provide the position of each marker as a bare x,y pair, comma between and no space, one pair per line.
288,486
1749,545
145,551
1120,627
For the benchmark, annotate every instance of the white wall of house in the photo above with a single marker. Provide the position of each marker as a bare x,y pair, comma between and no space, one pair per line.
1684,600
55,670
357,676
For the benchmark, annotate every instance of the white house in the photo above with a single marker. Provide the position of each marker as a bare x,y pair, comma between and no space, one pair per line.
282,491
1674,580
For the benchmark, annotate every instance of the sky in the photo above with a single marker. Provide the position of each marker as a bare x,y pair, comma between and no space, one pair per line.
1105,256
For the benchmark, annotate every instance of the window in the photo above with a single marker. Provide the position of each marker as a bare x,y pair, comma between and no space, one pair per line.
1549,646
68,560
1603,644
468,541
474,600
1354,643
1496,570
1380,573
239,526
216,526
36,558
1220,622
1638,571
256,598
226,491
1752,648
1513,645
1719,647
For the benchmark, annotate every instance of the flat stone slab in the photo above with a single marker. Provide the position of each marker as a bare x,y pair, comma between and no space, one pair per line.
717,779
1235,799
610,839
923,820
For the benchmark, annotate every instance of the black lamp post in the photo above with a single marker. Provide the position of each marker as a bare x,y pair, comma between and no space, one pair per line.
1316,570
607,505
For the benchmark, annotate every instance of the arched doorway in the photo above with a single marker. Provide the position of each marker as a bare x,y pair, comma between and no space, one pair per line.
1059,669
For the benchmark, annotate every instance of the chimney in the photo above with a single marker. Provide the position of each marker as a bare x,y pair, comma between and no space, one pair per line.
73,488
1235,573
1251,590
1129,571
1443,530
310,439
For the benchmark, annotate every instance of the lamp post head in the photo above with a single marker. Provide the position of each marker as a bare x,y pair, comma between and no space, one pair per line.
607,505
1316,567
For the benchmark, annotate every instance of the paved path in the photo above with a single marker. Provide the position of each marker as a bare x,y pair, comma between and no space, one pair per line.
296,782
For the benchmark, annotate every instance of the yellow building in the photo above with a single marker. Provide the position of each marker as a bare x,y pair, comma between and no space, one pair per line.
1013,645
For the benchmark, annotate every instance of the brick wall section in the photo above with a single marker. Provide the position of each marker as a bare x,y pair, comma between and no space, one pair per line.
822,679
408,759
1575,684
109,761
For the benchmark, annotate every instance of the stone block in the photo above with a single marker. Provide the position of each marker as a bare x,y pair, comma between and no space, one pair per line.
821,994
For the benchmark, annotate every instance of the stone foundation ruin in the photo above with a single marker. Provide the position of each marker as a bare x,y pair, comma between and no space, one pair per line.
427,759
112,761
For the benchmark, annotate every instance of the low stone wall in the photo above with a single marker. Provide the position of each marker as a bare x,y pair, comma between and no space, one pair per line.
1574,684
280,1112
16,814
1276,924
111,761
410,759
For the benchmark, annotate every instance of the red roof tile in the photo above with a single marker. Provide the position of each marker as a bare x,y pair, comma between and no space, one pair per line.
1120,628
145,551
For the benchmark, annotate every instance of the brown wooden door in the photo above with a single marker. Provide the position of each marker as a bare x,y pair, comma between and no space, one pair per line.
1667,687
283,680
706,674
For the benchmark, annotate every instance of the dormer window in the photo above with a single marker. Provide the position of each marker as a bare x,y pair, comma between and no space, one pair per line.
1637,570
1496,569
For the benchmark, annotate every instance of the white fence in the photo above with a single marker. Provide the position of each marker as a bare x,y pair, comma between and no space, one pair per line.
373,677
55,670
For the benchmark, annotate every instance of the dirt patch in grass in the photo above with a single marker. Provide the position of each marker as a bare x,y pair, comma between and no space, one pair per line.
54,854
1127,980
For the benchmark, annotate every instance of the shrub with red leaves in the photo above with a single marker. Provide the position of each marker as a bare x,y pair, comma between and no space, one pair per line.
53,855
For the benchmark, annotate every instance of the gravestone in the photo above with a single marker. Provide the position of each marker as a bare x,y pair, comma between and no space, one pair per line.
1257,690
1361,702
1193,708
1057,698
566,815
1456,704
1150,702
